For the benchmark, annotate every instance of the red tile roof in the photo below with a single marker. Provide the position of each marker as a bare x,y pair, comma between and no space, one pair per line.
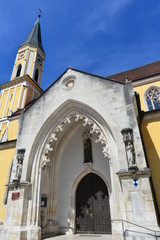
139,73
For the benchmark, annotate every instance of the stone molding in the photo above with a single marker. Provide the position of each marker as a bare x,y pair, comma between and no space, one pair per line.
23,184
125,174
8,144
88,167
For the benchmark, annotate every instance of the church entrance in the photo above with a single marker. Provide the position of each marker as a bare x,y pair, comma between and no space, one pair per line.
92,206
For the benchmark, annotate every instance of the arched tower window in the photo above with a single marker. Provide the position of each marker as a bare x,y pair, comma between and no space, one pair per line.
153,98
19,68
36,75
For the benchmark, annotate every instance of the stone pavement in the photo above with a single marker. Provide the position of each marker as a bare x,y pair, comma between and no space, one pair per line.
82,237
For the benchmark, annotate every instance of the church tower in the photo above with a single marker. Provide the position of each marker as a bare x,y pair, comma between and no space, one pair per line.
25,82
30,56
16,94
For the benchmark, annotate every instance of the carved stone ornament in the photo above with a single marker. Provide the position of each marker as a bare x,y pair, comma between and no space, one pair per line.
100,138
18,170
127,135
20,158
88,167
68,82
129,146
87,147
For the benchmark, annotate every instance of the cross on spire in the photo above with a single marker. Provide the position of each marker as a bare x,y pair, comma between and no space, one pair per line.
40,12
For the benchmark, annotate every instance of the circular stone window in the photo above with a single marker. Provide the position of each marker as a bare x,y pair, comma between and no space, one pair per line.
68,82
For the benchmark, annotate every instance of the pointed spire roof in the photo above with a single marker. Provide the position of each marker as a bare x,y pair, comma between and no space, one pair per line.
34,37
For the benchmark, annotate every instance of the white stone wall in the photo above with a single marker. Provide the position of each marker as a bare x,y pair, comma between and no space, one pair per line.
109,105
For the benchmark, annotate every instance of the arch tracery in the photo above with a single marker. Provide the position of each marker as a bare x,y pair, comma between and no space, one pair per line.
73,118
152,98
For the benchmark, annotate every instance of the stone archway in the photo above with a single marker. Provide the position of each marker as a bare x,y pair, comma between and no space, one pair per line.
92,206
46,157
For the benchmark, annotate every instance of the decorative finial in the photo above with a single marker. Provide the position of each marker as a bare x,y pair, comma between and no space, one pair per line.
40,12
126,79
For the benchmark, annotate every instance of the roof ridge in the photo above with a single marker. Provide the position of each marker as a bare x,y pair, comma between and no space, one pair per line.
138,73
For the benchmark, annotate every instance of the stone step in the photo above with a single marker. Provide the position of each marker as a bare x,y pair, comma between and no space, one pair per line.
82,237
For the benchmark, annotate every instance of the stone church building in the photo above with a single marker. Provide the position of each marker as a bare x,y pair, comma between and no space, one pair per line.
75,159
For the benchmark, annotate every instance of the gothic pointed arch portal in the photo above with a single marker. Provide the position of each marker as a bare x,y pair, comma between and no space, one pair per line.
92,206
59,160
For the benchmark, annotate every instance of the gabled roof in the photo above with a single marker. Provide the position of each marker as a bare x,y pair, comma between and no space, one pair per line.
19,111
139,73
34,37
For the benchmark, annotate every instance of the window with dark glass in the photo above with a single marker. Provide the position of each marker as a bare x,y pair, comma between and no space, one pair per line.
153,99
36,75
19,70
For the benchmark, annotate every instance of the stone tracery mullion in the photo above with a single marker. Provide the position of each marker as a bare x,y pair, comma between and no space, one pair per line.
153,93
60,128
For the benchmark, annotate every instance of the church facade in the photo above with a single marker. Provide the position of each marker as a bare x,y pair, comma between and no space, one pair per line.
77,158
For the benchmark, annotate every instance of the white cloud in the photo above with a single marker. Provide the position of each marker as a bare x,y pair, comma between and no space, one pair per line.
102,14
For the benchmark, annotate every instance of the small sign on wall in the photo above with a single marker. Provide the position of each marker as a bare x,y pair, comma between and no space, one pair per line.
43,201
15,195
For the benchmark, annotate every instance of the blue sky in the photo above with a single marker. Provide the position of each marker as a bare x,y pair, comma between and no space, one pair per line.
97,36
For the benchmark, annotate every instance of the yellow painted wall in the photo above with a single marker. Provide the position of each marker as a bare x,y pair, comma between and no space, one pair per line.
3,127
16,99
9,102
19,61
12,130
142,89
29,97
6,157
4,99
150,131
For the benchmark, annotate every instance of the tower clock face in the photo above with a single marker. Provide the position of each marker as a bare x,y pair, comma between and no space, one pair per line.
39,60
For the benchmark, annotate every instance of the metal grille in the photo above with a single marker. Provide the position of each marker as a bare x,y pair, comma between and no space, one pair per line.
94,215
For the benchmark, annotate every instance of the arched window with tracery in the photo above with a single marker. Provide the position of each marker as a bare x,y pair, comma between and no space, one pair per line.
153,98
36,75
19,68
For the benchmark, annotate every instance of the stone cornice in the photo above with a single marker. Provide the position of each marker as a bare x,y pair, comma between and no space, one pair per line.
145,81
151,115
8,144
125,174
19,80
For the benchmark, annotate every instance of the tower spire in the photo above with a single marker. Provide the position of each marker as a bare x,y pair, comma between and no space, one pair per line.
34,37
